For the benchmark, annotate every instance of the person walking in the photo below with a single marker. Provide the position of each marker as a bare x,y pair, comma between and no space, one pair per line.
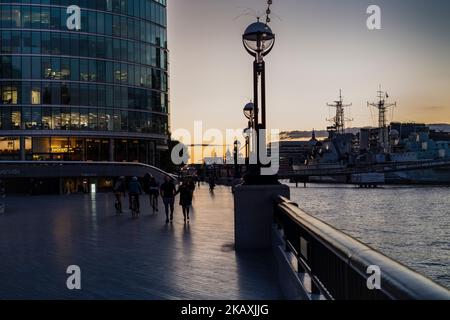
186,193
197,180
168,191
191,183
212,183
146,183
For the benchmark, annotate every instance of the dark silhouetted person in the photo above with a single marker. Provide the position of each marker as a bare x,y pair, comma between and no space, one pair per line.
135,190
154,194
186,192
168,191
151,187
120,189
212,183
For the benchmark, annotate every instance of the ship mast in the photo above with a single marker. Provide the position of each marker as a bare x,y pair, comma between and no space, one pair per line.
339,120
383,107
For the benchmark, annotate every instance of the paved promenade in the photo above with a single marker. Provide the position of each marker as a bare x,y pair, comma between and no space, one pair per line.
125,258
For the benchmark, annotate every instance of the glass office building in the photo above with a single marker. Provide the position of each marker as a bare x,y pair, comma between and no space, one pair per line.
95,94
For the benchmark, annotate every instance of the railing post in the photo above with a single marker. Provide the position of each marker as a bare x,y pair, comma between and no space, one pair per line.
300,268
286,247
314,288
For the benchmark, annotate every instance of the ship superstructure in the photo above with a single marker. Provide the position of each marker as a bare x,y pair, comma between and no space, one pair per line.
390,144
382,106
339,121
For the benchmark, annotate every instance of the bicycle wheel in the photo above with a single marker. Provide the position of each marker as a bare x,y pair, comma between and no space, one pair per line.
135,211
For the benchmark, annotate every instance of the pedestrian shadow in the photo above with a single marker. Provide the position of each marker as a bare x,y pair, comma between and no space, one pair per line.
152,215
126,219
168,227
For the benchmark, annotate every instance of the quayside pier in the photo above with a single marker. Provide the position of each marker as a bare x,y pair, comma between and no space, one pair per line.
125,258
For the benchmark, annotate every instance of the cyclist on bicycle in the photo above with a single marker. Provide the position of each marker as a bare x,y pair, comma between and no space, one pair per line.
134,191
151,187
120,190
154,194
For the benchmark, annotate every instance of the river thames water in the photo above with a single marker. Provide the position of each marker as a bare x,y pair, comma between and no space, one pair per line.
409,224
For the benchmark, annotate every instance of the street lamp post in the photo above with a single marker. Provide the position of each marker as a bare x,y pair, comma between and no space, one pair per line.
253,200
249,111
258,40
236,149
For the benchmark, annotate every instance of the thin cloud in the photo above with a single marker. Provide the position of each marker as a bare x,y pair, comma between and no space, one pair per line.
435,108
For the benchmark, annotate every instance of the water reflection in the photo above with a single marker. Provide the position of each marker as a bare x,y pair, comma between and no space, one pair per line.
93,213
62,232
409,224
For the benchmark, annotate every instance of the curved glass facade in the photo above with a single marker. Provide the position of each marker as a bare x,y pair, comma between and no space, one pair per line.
98,93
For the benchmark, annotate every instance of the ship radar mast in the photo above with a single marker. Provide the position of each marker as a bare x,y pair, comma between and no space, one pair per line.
383,107
339,120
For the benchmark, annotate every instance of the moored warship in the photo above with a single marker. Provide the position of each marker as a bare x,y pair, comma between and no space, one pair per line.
396,144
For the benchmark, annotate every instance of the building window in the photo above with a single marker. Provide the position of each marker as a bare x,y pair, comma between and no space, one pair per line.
41,146
9,148
93,123
9,95
36,96
60,146
77,149
16,119
46,118
65,118
84,119
74,119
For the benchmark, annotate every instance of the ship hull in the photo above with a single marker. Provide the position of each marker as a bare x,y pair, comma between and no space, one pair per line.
434,176
438,176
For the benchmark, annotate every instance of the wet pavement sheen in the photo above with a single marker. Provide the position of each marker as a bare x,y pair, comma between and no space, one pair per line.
125,258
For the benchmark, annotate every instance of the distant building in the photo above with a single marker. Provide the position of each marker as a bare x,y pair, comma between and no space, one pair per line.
296,152
213,161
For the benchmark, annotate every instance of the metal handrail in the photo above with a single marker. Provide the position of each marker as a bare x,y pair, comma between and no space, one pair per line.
338,264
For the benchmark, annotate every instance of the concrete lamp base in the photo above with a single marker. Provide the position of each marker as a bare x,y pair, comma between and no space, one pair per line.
253,215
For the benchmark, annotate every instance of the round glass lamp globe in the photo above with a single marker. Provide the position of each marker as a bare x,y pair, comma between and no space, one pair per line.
249,109
258,38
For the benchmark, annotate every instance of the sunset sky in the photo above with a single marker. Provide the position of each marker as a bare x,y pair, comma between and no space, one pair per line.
322,46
